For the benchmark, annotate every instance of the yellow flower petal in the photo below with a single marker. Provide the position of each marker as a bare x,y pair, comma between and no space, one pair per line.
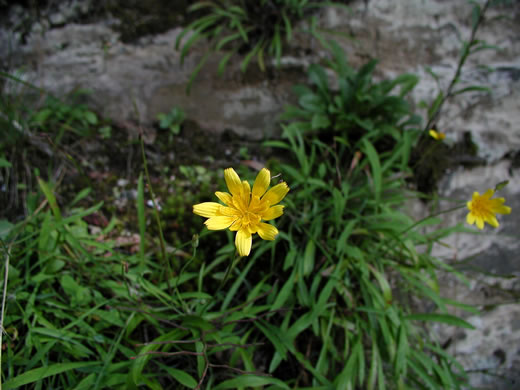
243,242
492,220
244,208
273,212
229,211
437,135
252,228
484,209
266,231
276,194
224,198
236,226
503,210
245,193
207,209
219,223
261,182
233,181
488,194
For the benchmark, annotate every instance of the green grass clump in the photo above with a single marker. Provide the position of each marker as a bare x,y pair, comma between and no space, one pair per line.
253,29
332,303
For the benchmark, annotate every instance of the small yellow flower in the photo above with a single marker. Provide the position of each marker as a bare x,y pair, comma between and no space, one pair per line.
483,209
245,208
437,135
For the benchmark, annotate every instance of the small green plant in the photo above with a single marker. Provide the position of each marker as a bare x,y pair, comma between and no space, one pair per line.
105,132
35,131
249,28
357,108
469,47
431,159
172,121
58,118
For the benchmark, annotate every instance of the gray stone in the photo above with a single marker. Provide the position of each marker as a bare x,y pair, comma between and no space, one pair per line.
490,351
149,77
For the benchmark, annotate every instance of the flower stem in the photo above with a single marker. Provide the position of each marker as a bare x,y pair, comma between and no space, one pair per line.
4,295
157,218
466,52
431,216
231,266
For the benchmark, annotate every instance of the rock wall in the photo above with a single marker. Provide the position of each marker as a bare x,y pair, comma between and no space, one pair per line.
407,36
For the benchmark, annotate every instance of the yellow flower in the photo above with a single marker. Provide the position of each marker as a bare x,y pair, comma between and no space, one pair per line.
437,135
483,209
245,208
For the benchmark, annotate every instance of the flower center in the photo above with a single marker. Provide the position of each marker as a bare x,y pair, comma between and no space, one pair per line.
250,218
480,207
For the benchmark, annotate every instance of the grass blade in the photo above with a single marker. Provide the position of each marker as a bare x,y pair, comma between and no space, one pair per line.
44,372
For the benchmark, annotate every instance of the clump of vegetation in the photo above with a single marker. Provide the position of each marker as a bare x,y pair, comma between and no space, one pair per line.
252,29
172,121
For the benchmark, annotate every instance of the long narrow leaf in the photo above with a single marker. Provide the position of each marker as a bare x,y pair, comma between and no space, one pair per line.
43,372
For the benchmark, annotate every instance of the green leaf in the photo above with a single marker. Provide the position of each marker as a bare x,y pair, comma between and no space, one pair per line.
346,379
77,293
288,28
5,228
375,362
433,74
320,121
80,195
319,78
250,55
432,111
485,46
43,372
226,40
91,118
383,283
223,62
421,372
373,159
308,258
4,163
444,318
180,376
474,88
475,15
50,198
197,322
141,217
312,102
197,70
41,116
402,352
469,308
501,185
285,292
250,381
275,337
